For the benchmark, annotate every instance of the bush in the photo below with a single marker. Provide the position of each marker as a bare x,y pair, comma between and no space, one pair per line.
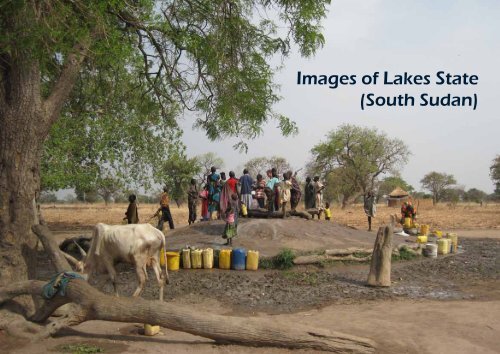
283,260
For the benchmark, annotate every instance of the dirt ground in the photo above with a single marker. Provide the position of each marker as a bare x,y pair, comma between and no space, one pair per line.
464,216
445,305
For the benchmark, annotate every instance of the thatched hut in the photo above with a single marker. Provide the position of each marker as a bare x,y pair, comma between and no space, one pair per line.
397,197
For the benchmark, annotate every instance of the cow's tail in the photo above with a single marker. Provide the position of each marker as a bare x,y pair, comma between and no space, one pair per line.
164,248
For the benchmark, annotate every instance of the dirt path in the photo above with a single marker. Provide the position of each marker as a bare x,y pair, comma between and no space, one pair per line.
397,326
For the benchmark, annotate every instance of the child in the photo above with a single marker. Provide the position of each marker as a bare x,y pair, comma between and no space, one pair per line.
230,229
328,212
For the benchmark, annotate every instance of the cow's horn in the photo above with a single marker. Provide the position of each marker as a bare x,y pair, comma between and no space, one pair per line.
84,254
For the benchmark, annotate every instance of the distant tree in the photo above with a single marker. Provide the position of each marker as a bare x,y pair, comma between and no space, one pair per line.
437,183
48,197
176,173
339,188
388,184
108,188
495,174
87,194
205,162
475,195
453,195
359,156
262,164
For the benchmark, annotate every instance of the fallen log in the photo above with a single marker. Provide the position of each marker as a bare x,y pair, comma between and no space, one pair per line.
380,267
347,251
319,258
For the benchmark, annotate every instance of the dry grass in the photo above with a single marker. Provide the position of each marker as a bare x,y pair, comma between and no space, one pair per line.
86,215
442,216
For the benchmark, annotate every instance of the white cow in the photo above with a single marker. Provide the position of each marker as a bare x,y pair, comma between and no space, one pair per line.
138,244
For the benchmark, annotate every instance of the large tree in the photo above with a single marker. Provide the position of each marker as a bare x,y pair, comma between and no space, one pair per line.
437,183
209,56
357,157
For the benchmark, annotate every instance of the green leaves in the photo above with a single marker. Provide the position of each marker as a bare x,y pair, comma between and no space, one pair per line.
437,183
146,62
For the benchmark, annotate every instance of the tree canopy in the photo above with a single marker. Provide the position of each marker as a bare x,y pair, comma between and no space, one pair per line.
437,183
205,162
357,157
262,164
134,65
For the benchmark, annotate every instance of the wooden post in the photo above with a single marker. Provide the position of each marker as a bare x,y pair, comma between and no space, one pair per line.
380,268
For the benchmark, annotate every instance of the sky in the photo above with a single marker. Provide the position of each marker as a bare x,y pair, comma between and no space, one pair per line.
418,37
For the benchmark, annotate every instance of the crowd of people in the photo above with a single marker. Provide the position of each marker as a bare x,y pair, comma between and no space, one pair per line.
226,198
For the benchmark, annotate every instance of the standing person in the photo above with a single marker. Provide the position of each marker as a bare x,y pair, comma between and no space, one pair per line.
285,193
204,203
269,190
222,179
310,198
225,199
213,191
259,191
232,182
318,190
165,210
296,194
131,215
230,228
370,207
246,188
328,212
192,201
277,194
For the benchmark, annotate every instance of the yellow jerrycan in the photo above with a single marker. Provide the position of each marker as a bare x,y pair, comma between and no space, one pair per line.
186,258
225,259
252,260
208,258
196,259
173,259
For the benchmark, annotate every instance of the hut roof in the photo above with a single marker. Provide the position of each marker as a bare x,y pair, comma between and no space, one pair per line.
398,192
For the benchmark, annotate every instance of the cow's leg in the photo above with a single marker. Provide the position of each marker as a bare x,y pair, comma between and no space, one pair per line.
140,270
112,274
157,269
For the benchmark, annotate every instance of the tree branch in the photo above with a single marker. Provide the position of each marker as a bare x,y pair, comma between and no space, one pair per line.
64,84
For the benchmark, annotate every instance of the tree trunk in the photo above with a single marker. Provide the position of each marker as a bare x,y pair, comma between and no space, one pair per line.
21,139
380,268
